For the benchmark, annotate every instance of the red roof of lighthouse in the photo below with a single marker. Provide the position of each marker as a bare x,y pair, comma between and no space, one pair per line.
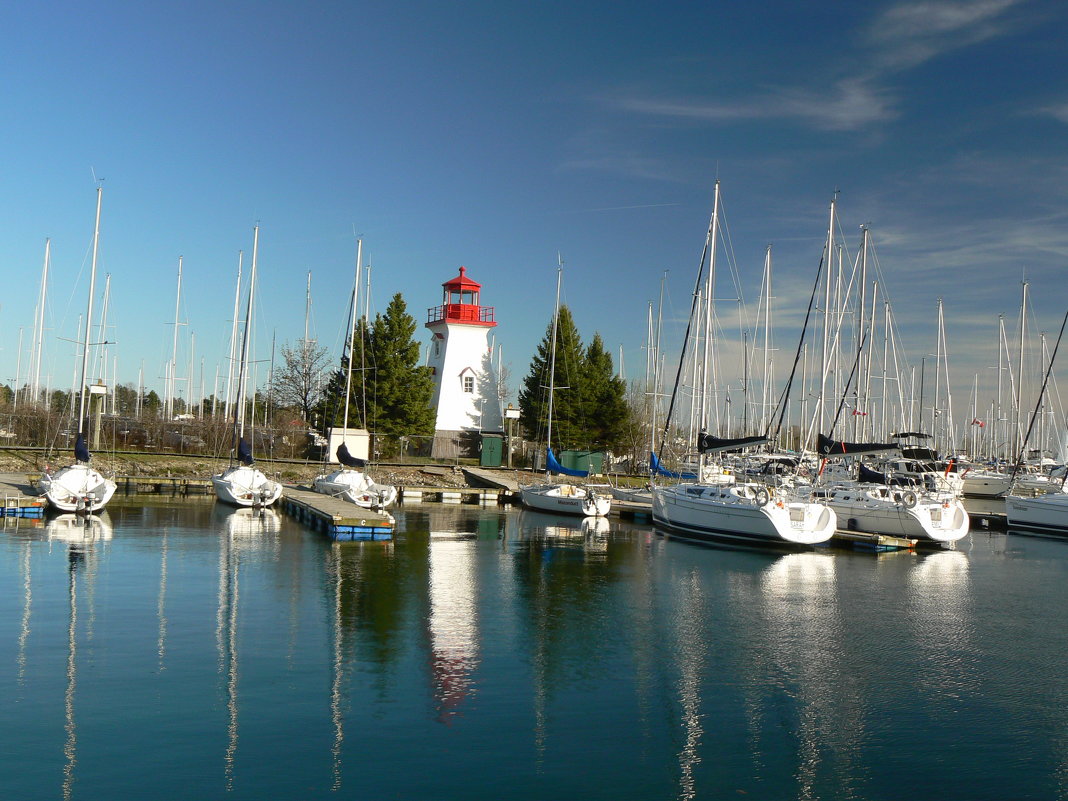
462,282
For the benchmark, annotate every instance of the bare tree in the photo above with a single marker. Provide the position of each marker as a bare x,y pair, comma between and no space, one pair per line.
300,381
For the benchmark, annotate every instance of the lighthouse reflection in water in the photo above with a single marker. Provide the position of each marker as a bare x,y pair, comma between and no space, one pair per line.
489,653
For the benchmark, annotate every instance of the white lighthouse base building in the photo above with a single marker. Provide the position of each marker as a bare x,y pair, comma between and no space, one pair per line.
465,384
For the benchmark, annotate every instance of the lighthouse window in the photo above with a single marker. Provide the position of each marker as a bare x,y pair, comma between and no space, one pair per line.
469,383
437,347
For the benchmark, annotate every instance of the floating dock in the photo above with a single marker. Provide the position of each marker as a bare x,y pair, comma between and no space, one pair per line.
481,495
338,519
864,541
19,497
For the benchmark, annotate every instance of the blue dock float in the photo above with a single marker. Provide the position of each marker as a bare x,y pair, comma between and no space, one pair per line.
339,520
15,489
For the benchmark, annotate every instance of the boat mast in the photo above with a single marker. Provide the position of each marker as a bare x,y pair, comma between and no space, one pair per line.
765,391
352,335
552,361
172,368
829,250
1020,367
38,326
709,355
239,409
89,315
233,335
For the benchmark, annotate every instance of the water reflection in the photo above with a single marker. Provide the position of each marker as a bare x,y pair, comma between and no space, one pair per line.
800,649
939,601
81,534
240,531
452,623
27,603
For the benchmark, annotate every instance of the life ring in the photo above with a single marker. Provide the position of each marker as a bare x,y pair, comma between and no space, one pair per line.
908,498
761,497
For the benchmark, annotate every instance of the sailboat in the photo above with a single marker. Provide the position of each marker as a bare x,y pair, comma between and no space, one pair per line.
565,498
242,484
744,512
1049,512
78,487
349,481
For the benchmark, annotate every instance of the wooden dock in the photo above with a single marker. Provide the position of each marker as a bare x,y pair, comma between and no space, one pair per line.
338,519
19,497
481,495
864,541
494,479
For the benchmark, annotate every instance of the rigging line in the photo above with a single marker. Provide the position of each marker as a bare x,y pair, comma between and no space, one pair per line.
689,327
1038,405
849,382
797,356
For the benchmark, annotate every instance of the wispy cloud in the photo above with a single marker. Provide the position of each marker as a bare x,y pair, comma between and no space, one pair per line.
1059,111
909,34
849,104
903,36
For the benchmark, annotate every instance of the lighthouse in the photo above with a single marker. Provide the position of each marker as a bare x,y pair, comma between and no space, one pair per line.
465,386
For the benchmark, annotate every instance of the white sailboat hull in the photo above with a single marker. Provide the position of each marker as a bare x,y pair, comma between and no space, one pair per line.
356,487
931,519
720,513
1043,513
566,499
77,488
245,486
985,484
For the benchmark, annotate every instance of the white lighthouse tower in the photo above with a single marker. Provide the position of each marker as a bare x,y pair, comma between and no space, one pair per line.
461,357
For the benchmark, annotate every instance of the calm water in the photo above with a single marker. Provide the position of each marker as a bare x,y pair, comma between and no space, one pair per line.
191,652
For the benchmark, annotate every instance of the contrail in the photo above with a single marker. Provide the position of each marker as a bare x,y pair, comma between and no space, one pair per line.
623,208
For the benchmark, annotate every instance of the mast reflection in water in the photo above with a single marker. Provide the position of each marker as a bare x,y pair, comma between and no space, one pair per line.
179,650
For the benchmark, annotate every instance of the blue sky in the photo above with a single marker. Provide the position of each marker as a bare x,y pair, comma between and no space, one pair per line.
496,135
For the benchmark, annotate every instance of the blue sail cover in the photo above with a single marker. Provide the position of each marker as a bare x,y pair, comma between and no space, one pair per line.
244,452
347,458
658,469
555,467
81,450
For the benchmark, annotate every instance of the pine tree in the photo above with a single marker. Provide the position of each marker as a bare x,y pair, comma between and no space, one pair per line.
568,423
399,390
603,398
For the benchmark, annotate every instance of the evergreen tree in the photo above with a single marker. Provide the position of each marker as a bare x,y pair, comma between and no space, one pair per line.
399,390
568,423
603,399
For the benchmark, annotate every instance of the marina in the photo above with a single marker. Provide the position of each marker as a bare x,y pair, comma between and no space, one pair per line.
246,655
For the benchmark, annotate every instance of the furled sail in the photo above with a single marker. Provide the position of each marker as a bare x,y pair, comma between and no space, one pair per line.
826,446
244,452
706,443
867,475
347,458
555,467
81,450
656,468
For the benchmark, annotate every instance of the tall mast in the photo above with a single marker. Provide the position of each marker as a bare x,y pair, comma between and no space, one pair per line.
1020,367
239,411
352,334
233,335
709,289
829,252
38,326
552,361
766,388
307,314
172,379
18,373
89,314
101,369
